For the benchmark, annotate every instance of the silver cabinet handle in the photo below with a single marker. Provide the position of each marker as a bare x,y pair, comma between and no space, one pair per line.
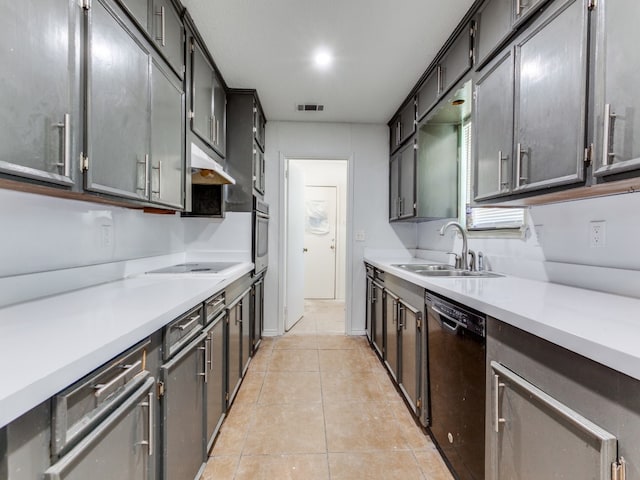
151,423
103,389
211,129
398,134
518,8
519,176
496,402
66,144
501,159
159,169
401,205
205,349
146,178
400,316
210,360
439,81
162,27
607,135
217,131
184,326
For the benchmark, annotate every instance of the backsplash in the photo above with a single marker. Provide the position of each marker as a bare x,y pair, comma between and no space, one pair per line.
557,244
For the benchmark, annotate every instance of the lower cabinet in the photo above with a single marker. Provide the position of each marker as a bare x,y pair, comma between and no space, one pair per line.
410,334
215,388
238,334
377,313
119,447
257,315
391,329
552,413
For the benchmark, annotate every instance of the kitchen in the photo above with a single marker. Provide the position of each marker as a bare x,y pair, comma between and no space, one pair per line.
58,244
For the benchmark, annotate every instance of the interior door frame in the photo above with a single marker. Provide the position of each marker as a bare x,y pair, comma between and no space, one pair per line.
282,247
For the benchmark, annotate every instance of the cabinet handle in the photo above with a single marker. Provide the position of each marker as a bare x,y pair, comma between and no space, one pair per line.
146,173
217,132
401,314
398,132
102,390
501,159
184,326
439,86
496,403
66,143
205,372
520,178
210,360
159,169
607,135
211,129
400,207
518,8
162,27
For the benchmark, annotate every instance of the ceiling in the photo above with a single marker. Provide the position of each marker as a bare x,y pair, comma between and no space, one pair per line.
380,49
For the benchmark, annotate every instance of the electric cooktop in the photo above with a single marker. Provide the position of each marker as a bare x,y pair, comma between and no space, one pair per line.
201,267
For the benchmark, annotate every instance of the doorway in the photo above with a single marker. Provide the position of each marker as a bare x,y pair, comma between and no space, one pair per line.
315,253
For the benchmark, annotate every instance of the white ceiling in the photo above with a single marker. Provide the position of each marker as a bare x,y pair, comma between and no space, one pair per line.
381,48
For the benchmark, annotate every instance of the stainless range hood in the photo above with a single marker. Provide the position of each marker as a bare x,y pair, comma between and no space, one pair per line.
206,171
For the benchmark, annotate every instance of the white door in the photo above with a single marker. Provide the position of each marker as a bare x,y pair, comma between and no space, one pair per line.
320,205
295,245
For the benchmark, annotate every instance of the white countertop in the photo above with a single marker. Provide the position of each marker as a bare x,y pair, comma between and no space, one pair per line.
47,344
599,326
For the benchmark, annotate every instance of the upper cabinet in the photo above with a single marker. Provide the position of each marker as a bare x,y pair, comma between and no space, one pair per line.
548,65
454,64
39,98
208,100
402,177
161,21
617,89
496,20
245,151
134,115
403,125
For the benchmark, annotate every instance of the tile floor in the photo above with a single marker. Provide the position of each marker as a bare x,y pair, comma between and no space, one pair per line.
316,404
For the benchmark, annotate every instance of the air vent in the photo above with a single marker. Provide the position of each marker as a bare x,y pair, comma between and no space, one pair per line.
310,107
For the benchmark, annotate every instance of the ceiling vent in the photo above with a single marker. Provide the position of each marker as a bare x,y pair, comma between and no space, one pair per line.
310,107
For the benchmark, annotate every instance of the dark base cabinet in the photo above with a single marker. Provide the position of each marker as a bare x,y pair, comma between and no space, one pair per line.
257,316
215,364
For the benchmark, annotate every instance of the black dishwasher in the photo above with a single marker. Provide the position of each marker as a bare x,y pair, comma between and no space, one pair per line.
456,355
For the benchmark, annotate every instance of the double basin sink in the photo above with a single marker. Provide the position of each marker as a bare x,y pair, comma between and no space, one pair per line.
441,270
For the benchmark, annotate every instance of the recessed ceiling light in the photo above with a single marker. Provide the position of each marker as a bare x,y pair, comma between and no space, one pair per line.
323,58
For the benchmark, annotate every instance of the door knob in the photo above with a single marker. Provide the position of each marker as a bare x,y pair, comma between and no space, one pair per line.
305,250
332,247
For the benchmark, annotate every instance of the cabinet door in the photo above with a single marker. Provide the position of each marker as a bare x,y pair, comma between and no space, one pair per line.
494,128
407,119
215,405
617,118
245,324
258,314
551,77
391,343
234,344
219,122
407,181
456,62
526,419
118,113
201,94
394,185
493,25
39,88
378,311
259,124
119,447
410,354
258,169
369,308
428,93
139,9
168,34
167,153
183,411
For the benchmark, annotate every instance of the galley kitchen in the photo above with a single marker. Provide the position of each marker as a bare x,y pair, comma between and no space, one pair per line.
319,240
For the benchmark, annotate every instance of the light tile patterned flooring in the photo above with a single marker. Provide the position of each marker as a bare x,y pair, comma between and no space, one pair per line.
316,404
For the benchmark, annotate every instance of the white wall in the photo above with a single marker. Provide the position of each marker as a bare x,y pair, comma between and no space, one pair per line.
367,148
557,247
332,173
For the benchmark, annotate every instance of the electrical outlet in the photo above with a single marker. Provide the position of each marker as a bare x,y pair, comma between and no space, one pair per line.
597,234
539,233
106,236
360,236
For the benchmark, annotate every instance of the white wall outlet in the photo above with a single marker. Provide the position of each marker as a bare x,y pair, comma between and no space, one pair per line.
360,236
597,234
106,235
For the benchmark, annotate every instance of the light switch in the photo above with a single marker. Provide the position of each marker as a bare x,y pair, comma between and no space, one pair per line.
360,236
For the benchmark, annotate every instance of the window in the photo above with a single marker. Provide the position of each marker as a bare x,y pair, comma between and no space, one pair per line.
481,218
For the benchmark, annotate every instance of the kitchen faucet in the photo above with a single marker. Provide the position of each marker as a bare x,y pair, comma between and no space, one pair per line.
465,253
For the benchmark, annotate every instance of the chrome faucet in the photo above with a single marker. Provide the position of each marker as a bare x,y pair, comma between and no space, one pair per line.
463,232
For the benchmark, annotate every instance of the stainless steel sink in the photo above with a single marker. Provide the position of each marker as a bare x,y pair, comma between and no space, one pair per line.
440,270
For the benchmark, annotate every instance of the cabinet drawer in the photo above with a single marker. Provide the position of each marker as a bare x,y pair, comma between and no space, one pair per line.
180,331
213,307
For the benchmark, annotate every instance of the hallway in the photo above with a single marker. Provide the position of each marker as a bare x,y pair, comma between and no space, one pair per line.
316,404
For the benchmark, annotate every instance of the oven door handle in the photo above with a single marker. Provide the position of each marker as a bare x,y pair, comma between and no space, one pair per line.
453,329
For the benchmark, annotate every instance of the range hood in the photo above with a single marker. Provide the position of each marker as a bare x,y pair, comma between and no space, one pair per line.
206,171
